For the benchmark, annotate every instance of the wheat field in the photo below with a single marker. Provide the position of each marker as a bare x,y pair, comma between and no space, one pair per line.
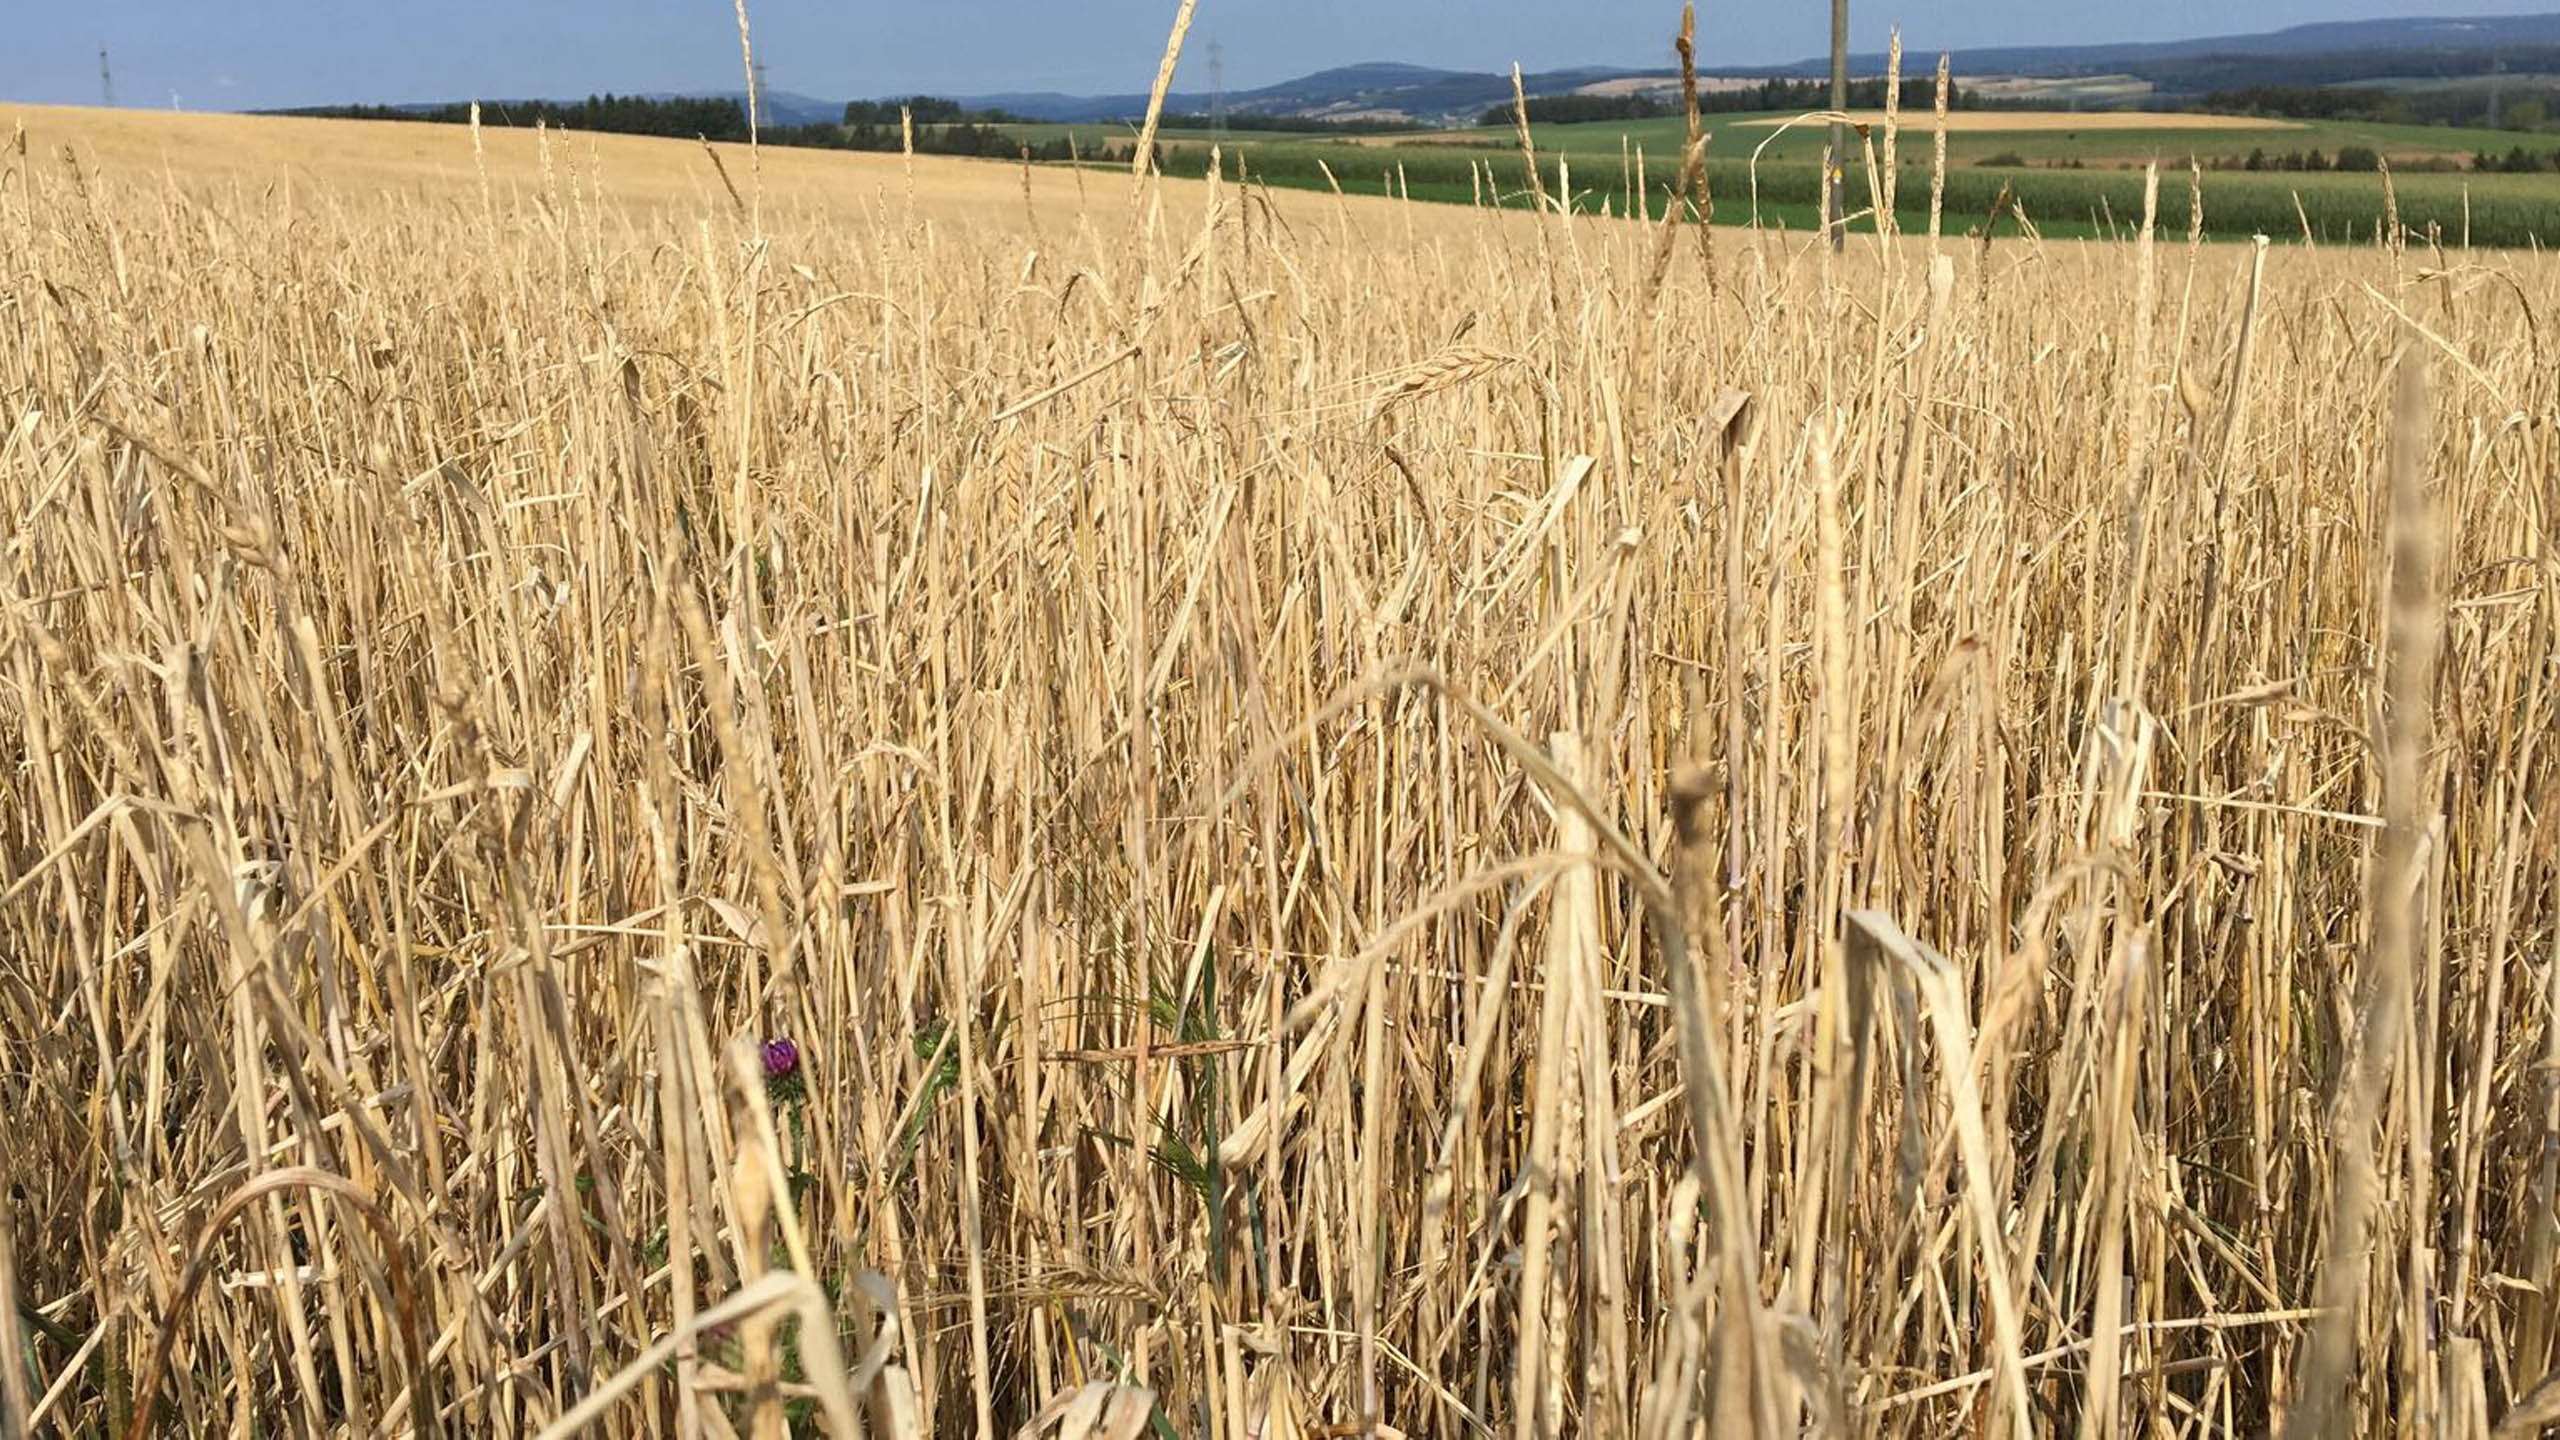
826,794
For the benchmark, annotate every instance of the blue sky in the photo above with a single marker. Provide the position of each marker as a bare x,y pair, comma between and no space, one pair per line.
240,54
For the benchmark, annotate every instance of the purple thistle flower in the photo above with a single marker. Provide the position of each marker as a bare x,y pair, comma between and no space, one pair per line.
781,1059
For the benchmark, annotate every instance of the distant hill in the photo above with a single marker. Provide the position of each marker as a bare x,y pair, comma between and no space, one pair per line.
774,107
2323,38
1382,89
2332,52
2329,53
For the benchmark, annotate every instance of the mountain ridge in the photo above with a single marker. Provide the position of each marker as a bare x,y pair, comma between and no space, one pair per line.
1433,93
2315,53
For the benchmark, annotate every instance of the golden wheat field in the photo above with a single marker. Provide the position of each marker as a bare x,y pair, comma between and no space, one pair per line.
840,795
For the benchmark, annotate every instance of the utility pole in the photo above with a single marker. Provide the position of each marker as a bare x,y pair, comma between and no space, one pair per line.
1217,89
1835,198
106,81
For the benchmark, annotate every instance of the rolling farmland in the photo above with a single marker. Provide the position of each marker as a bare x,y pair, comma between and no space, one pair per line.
653,790
2074,175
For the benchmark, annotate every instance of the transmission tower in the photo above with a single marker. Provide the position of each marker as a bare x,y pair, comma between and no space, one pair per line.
1217,88
106,81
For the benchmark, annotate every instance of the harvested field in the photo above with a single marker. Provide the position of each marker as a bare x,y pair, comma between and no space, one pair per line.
376,161
1669,84
874,797
2035,122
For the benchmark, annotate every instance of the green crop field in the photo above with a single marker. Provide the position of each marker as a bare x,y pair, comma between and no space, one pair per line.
1768,173
1978,136
2037,136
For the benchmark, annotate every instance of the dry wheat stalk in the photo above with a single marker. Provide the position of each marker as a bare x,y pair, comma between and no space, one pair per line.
1447,370
982,801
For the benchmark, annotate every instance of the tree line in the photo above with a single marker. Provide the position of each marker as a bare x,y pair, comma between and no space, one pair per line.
2518,161
926,110
2356,159
939,126
942,127
2191,75
684,118
2520,104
